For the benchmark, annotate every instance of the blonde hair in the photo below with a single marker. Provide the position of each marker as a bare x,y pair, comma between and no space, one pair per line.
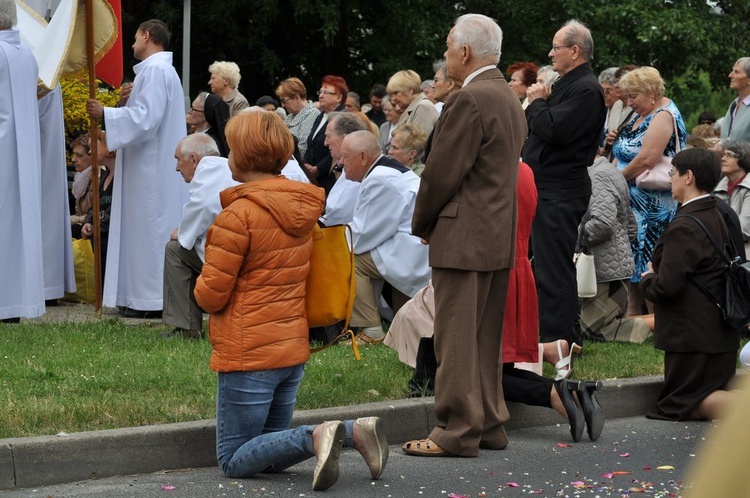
260,141
291,87
411,137
405,81
644,80
228,70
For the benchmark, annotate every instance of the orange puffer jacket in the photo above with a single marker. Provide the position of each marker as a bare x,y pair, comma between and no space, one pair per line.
253,281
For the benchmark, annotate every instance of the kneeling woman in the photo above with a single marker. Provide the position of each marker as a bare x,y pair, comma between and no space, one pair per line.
700,348
253,284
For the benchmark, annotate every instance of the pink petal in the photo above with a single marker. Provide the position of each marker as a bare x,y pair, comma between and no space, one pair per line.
513,484
624,455
564,445
168,488
608,475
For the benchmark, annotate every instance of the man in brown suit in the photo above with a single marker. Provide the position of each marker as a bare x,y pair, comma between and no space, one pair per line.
466,211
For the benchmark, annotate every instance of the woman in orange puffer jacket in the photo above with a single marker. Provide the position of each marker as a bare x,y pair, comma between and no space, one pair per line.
253,283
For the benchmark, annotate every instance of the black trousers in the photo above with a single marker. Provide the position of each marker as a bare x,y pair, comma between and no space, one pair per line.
553,239
522,386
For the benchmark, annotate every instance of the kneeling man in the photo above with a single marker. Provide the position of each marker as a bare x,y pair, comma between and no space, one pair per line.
383,246
200,165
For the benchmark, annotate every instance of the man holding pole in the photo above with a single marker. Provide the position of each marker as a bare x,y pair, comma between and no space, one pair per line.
147,199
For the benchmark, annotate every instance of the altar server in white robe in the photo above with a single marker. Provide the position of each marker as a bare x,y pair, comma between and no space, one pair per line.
148,197
57,249
207,174
21,278
384,248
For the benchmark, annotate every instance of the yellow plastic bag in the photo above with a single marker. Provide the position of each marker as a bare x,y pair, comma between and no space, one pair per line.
83,258
330,284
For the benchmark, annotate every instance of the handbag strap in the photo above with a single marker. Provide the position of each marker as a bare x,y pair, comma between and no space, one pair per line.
676,130
721,252
346,331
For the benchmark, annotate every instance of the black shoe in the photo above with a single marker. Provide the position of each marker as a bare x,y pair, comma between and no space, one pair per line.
50,302
422,382
134,313
593,412
11,320
565,388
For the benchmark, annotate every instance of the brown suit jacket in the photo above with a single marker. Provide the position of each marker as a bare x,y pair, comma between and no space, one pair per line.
466,205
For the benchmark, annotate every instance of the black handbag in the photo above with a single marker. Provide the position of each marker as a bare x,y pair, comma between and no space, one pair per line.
736,306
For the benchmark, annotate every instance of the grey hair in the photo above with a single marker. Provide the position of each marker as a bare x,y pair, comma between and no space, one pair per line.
577,33
745,63
549,75
344,123
440,67
355,96
608,76
481,34
8,14
199,144
742,149
427,84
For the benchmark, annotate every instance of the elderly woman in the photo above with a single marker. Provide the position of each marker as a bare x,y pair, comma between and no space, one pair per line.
301,113
734,187
391,120
318,162
649,135
522,76
736,123
407,146
700,348
253,283
81,190
404,89
225,78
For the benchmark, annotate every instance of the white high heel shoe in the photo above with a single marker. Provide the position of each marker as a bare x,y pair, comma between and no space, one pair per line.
564,366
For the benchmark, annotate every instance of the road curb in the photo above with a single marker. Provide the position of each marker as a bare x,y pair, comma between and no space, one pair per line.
46,460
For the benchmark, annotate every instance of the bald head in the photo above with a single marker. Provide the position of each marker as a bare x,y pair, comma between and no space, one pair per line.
359,151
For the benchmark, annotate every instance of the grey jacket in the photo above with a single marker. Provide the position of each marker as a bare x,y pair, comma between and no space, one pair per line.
740,202
609,225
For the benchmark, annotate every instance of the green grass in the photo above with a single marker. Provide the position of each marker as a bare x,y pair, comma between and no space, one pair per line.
79,377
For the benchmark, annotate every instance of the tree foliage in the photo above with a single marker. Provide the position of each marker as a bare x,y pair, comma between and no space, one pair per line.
368,40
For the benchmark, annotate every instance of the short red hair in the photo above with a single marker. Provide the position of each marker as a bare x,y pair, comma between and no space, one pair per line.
529,71
336,82
259,141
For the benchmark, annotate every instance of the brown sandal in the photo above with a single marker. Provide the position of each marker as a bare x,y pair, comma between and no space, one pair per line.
423,447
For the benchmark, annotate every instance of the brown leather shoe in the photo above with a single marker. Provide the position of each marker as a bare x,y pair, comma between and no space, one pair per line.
424,447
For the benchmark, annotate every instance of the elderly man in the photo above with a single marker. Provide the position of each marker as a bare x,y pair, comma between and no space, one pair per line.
200,165
353,102
340,202
383,247
443,85
22,293
147,198
565,124
225,78
466,211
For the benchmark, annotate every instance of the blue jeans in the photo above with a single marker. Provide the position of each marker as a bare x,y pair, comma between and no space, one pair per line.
253,414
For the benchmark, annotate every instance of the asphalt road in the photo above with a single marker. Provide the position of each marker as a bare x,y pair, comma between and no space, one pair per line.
540,461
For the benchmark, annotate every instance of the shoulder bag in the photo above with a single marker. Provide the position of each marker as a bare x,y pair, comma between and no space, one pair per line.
736,306
657,177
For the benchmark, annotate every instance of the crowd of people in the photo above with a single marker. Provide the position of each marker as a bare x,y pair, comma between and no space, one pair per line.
467,195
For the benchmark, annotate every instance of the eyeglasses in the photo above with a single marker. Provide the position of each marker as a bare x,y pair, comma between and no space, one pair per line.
558,47
671,172
326,92
285,100
731,154
193,109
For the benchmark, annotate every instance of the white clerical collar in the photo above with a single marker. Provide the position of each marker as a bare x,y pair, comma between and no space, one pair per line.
695,199
477,72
